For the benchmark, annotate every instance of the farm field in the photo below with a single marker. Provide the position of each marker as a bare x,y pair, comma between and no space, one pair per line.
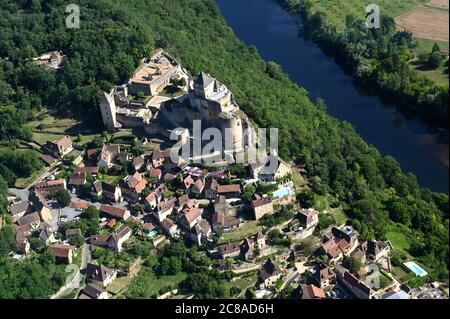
336,11
439,4
425,23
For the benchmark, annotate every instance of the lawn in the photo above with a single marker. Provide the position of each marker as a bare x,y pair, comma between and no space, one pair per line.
401,274
119,285
111,179
242,283
146,284
398,240
248,229
426,46
297,179
340,216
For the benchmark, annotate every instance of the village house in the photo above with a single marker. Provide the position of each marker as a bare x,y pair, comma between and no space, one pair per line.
33,220
309,218
261,240
93,170
201,232
164,209
268,275
346,238
59,148
220,218
248,249
138,162
150,201
324,275
135,183
170,227
117,239
211,188
332,250
268,171
304,223
115,212
48,159
310,292
159,191
188,182
197,188
159,157
357,287
251,246
46,236
50,186
19,209
375,250
99,240
185,202
77,179
100,275
93,291
22,233
262,206
155,174
107,191
107,156
63,252
40,205
190,217
229,191
231,250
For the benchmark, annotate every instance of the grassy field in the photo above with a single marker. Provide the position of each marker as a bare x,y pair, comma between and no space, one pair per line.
242,283
337,10
153,284
248,229
398,240
426,46
340,216
119,285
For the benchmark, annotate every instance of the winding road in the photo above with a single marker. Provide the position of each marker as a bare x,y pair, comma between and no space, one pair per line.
75,283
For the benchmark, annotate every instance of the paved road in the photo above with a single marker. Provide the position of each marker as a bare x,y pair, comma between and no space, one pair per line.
76,281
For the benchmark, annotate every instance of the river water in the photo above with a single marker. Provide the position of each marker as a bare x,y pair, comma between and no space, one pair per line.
419,149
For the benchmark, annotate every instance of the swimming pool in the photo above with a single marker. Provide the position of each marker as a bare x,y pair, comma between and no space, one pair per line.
415,268
283,192
152,234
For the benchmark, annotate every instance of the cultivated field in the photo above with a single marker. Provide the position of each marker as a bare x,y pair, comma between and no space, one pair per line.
425,23
337,10
439,4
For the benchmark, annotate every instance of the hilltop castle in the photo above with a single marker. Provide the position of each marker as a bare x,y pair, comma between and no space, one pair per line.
204,99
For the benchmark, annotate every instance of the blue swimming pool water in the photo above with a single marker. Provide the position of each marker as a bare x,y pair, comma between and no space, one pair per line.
152,234
283,192
416,269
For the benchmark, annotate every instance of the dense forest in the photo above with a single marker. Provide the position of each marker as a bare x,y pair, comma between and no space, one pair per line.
378,58
114,35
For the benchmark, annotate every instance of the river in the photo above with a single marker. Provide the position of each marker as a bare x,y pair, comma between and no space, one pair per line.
419,149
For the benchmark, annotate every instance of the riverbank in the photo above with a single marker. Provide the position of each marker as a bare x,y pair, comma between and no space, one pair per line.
385,72
273,33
